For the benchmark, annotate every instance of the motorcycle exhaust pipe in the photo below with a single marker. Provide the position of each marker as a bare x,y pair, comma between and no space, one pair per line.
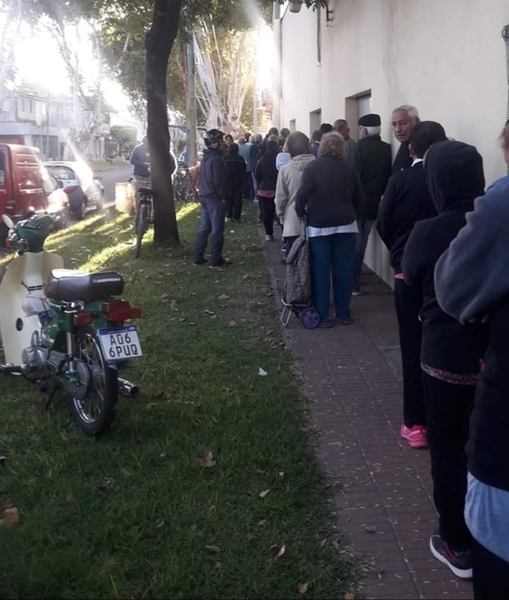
127,389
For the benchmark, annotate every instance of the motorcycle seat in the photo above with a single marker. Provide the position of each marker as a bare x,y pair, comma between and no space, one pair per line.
65,285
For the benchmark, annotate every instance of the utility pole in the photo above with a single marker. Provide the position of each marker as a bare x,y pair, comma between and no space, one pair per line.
192,125
47,125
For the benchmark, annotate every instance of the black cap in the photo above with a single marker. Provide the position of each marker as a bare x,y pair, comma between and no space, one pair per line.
371,120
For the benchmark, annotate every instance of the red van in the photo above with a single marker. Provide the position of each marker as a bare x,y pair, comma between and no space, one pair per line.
25,185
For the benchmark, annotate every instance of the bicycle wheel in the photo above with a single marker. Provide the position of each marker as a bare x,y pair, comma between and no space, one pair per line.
96,411
141,226
180,185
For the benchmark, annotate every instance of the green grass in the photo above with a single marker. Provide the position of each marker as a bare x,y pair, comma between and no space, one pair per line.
133,515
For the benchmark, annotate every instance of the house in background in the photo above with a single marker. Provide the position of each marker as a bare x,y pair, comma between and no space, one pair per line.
24,119
52,124
361,56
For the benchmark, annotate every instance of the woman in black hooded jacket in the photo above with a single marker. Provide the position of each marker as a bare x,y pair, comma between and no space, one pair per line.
450,354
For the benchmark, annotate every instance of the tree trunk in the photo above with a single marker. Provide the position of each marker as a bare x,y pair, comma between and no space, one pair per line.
158,43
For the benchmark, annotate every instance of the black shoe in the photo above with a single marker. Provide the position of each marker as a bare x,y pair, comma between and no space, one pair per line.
460,563
222,263
200,261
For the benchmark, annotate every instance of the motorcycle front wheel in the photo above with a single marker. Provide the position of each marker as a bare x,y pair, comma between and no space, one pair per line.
95,413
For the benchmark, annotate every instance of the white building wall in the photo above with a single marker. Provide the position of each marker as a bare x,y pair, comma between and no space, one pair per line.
445,57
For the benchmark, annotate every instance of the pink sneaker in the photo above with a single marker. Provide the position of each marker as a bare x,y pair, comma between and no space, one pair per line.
416,436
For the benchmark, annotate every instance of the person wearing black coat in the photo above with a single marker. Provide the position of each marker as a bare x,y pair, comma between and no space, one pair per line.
372,160
266,179
406,201
330,198
450,354
236,167
472,284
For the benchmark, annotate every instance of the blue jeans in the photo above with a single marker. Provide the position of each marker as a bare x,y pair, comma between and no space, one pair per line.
365,228
334,253
212,217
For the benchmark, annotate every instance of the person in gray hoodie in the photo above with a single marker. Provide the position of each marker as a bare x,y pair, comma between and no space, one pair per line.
288,184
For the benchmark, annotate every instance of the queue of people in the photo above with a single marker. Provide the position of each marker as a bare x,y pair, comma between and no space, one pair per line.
446,238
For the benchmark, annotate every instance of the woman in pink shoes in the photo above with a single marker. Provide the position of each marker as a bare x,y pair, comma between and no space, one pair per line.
450,354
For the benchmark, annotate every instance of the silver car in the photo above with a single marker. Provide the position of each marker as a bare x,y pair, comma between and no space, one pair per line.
80,184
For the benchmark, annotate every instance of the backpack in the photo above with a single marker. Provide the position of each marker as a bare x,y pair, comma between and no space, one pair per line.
297,286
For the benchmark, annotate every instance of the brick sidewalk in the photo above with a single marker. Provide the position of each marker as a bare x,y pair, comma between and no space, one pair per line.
352,376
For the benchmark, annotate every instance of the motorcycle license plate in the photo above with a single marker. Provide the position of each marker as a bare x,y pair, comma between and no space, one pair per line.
120,343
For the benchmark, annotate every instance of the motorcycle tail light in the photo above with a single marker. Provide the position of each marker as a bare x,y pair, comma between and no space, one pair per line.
119,311
70,189
82,319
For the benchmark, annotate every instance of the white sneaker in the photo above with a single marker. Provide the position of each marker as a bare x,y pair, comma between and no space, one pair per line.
269,238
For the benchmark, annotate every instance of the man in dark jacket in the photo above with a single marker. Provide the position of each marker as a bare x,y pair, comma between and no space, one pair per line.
404,119
214,188
450,354
406,201
372,161
236,167
140,159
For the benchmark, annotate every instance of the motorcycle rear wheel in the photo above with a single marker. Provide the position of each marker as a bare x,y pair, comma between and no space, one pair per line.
95,413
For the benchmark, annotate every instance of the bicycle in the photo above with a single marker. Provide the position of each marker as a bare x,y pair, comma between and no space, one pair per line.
144,215
185,190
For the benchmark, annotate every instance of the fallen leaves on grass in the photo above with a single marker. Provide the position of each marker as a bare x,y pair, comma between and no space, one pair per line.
232,323
282,550
110,564
262,372
303,588
208,462
224,297
349,596
3,459
70,498
213,549
264,493
262,523
11,517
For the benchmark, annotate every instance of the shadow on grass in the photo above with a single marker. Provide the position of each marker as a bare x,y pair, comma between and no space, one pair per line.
134,514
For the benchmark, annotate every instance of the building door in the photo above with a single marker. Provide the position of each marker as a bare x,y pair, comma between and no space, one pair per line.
364,105
315,120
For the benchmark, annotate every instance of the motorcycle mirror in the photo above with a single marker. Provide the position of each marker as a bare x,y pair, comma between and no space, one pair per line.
8,221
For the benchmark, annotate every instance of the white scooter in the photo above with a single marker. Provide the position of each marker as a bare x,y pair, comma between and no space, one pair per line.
66,330
24,278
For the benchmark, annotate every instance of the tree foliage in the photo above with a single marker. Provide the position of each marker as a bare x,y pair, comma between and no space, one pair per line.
143,33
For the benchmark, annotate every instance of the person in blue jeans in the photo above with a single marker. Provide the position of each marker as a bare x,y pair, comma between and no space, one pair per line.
215,191
330,198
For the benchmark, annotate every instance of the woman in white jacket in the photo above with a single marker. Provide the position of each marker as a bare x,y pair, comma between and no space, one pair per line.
288,183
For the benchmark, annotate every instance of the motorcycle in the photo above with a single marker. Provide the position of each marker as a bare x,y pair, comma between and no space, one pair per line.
64,329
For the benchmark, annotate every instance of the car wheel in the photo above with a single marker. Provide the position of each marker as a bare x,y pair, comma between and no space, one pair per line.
81,210
100,202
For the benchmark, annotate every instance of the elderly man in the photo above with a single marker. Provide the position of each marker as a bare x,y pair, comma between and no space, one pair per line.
372,161
341,126
404,119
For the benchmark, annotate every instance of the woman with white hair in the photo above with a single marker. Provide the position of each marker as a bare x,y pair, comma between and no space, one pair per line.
329,198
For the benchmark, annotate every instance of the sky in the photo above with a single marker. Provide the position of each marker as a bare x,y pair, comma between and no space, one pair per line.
38,60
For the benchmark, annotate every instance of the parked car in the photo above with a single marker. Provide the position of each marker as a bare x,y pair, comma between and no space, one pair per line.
27,188
80,184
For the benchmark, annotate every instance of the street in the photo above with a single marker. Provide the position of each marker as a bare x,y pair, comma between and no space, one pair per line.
112,176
